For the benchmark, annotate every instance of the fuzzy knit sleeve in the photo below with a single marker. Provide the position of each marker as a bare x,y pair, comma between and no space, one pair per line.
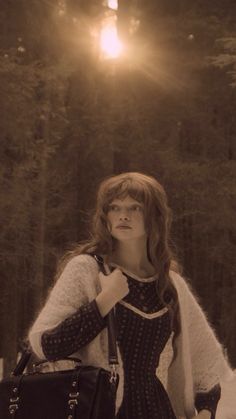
73,333
200,363
209,365
78,285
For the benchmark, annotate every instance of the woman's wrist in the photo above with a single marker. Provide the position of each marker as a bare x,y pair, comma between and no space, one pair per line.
105,302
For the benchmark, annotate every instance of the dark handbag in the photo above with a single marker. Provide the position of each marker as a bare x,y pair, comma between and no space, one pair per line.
84,392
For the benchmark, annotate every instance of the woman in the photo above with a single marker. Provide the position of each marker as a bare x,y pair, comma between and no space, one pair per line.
159,322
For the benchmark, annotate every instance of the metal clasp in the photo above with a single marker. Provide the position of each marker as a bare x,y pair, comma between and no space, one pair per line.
73,401
13,408
36,368
113,377
73,395
16,399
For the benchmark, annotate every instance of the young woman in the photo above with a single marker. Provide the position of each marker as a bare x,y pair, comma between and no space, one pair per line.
171,364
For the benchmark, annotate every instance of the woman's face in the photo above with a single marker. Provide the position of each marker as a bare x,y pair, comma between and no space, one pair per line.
126,219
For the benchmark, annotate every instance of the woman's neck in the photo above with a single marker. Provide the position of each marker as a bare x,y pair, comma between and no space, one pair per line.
133,257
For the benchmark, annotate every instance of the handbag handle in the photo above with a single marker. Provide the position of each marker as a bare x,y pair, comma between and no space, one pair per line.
37,365
111,327
23,361
25,358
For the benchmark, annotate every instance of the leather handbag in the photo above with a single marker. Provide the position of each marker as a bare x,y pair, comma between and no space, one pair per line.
84,392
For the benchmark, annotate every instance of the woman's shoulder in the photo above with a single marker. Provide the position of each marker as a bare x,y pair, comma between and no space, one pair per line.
181,284
185,290
82,261
177,278
79,274
80,267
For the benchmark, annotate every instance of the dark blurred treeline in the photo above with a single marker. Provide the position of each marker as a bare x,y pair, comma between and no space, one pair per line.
69,119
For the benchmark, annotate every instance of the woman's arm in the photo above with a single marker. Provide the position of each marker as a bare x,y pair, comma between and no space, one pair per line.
71,318
77,286
73,333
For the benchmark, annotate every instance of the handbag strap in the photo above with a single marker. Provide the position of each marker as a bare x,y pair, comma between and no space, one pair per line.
110,318
22,363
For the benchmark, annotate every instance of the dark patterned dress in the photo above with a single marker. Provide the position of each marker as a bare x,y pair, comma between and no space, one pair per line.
143,328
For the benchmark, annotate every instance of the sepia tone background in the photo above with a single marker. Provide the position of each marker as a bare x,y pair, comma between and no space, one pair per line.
69,118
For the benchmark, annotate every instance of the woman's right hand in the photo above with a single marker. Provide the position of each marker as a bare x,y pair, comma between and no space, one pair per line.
115,284
114,288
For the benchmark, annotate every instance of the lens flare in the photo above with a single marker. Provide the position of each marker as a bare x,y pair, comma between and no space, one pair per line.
110,43
113,4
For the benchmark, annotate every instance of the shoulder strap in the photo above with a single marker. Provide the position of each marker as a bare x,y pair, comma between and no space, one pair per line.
111,326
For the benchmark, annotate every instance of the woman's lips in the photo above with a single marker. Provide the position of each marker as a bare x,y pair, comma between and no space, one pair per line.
123,227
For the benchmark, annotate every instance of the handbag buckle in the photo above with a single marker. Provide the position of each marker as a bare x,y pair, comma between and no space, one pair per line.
36,368
74,395
16,399
74,400
72,403
13,408
113,377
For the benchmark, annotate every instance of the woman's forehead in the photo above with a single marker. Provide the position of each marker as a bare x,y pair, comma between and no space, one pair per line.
127,200
132,191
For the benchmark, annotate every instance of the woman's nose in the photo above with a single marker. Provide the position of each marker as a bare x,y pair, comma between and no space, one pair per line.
124,215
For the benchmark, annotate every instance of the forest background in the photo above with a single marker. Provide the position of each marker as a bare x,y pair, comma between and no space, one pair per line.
68,119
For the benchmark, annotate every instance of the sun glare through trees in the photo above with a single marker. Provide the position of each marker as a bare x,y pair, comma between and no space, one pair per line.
110,44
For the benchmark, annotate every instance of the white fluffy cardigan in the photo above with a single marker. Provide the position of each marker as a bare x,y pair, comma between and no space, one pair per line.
199,364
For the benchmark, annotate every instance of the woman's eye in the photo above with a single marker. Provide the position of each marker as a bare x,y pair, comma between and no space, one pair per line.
113,208
133,208
137,208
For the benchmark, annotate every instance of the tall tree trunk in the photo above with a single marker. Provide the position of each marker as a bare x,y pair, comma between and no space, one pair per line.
39,239
41,205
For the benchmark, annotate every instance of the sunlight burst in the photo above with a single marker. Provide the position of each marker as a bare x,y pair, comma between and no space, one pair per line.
110,43
113,4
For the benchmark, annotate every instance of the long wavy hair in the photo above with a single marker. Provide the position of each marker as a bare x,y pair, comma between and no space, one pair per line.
157,218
